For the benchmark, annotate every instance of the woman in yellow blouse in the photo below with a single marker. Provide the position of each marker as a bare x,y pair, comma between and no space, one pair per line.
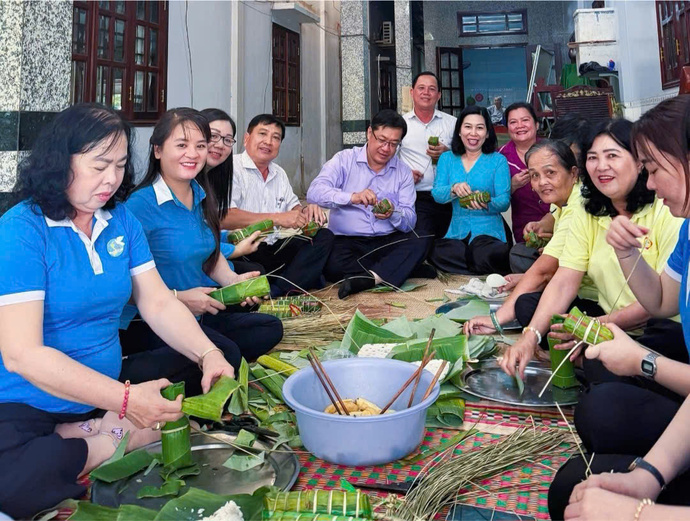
613,184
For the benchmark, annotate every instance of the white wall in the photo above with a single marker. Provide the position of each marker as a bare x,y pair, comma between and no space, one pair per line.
638,48
211,37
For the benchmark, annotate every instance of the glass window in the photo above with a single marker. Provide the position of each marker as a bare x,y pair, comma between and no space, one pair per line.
116,90
119,41
153,47
141,10
492,23
103,36
79,31
151,93
120,7
77,81
139,91
101,84
139,45
153,12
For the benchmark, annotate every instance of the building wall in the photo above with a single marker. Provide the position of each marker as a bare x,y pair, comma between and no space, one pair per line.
548,23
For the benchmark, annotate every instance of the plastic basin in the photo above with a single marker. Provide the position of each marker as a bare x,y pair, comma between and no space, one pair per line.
368,440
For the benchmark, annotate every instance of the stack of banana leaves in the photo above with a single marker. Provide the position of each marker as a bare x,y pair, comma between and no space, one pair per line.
288,307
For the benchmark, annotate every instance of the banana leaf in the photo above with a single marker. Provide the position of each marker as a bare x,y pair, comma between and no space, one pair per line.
520,384
596,334
406,287
362,331
124,467
238,292
453,349
176,444
239,400
270,380
446,413
169,488
481,347
474,307
130,512
239,235
316,501
422,328
87,511
241,460
210,406
119,451
565,376
197,503
304,516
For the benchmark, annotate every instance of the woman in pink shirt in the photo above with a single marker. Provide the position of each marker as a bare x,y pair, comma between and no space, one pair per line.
525,203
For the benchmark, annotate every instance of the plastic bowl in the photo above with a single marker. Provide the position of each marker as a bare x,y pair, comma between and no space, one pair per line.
368,440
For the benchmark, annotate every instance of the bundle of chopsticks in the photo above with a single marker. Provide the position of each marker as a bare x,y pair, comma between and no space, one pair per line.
337,401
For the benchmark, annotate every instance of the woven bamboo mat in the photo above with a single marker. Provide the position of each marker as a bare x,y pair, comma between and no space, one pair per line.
522,489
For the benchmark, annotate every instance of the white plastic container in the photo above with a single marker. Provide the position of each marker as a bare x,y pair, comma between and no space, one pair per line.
596,25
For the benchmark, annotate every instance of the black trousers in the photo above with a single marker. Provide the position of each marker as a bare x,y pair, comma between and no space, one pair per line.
482,256
573,472
522,258
302,262
39,468
397,255
432,218
237,334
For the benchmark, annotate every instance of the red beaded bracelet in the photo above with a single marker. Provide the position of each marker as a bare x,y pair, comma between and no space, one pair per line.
124,401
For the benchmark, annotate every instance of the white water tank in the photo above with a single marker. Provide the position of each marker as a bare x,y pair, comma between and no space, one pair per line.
596,36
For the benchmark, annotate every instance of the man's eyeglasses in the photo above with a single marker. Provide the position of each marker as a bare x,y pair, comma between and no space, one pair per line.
383,143
227,140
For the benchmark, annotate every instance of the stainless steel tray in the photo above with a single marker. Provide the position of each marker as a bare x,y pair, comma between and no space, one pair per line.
493,306
487,380
279,469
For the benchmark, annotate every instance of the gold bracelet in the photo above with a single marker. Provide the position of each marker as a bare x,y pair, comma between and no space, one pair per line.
200,362
640,507
175,293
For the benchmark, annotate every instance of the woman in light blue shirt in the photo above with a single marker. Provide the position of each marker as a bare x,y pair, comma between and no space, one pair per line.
179,215
476,242
71,258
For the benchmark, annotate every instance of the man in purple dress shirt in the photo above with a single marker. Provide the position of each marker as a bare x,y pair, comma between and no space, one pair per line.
370,247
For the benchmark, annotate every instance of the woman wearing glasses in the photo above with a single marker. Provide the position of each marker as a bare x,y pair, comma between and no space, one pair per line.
476,241
219,174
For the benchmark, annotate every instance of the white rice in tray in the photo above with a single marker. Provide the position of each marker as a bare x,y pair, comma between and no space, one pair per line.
433,366
228,512
375,350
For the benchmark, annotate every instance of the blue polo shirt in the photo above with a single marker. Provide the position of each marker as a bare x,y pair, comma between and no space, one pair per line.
677,268
179,238
83,282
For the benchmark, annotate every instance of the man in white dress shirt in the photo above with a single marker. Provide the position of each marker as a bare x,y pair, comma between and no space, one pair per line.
423,122
261,190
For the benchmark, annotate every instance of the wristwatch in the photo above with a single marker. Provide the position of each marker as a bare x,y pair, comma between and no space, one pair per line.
642,464
648,365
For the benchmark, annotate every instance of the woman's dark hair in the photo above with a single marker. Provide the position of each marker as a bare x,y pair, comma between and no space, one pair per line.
521,105
161,132
45,174
267,119
220,176
489,144
667,127
572,129
391,119
596,203
560,149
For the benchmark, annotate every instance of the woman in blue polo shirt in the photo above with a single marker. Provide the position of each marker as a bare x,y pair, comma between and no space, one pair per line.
179,215
661,411
71,257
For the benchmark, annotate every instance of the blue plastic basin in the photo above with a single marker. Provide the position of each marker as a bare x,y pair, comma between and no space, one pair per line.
368,440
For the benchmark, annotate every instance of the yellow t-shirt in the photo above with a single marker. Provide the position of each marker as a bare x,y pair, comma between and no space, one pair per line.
561,229
586,250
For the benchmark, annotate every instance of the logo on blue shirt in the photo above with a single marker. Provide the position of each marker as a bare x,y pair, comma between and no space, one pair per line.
116,246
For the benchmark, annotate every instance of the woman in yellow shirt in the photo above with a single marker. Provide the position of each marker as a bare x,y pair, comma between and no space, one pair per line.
613,184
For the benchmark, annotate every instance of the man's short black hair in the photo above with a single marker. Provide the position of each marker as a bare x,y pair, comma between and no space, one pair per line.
425,73
266,119
391,119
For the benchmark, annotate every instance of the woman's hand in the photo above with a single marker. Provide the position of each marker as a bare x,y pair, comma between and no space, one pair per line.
480,325
512,279
146,407
519,180
597,504
461,189
248,245
315,213
637,484
622,236
567,340
213,367
538,228
476,205
622,355
249,301
198,301
519,354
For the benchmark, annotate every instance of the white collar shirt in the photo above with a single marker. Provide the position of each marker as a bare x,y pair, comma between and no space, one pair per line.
416,142
251,193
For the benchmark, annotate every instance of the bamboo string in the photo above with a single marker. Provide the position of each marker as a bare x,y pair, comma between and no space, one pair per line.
588,472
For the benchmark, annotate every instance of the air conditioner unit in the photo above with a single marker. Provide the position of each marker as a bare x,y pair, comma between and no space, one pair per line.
386,34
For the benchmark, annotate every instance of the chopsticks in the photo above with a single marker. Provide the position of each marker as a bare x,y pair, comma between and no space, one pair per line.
423,364
415,375
438,374
319,370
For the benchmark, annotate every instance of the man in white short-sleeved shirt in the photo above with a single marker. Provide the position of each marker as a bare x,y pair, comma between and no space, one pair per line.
423,122
261,190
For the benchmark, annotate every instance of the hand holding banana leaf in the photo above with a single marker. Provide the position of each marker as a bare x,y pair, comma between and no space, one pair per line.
519,354
315,213
248,245
622,355
146,407
198,301
214,365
